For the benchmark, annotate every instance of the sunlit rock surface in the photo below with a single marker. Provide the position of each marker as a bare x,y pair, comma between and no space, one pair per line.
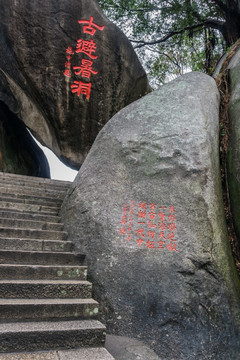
146,208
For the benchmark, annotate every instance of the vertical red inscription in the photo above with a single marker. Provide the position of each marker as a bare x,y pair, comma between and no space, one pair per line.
69,54
150,226
127,220
85,47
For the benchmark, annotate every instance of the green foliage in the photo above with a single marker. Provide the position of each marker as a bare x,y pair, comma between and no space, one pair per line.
173,36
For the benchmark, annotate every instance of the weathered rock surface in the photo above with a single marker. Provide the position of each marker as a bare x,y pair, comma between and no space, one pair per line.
41,43
19,153
146,208
233,164
123,348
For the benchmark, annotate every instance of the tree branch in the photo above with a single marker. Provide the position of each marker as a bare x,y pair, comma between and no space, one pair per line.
130,10
214,24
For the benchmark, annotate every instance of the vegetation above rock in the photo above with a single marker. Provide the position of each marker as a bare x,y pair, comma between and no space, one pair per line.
172,36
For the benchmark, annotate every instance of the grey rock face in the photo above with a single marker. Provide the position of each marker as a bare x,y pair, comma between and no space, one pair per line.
146,208
65,79
233,165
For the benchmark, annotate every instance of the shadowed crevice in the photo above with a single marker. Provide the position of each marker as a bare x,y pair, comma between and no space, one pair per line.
18,151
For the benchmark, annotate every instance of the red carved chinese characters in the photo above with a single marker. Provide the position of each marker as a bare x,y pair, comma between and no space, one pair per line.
91,27
126,222
85,70
69,52
84,47
172,227
129,229
150,226
80,87
87,48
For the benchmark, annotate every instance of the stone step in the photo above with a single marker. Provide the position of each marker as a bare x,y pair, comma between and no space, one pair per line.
30,199
35,245
15,178
30,336
41,209
40,272
25,215
32,234
47,309
40,258
32,190
40,289
88,353
42,285
30,224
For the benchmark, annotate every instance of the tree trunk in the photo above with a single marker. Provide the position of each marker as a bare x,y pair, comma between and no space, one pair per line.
232,25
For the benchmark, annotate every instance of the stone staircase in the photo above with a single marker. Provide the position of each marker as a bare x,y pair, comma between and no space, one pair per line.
45,298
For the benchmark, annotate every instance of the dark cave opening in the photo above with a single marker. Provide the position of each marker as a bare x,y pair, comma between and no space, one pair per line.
19,153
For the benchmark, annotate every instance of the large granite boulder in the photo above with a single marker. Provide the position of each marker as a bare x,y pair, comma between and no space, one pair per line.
65,70
19,153
146,207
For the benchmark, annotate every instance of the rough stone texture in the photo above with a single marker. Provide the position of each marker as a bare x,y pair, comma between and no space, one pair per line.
32,336
85,354
19,153
35,272
123,348
48,289
31,356
233,165
39,257
34,38
78,354
47,309
162,150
